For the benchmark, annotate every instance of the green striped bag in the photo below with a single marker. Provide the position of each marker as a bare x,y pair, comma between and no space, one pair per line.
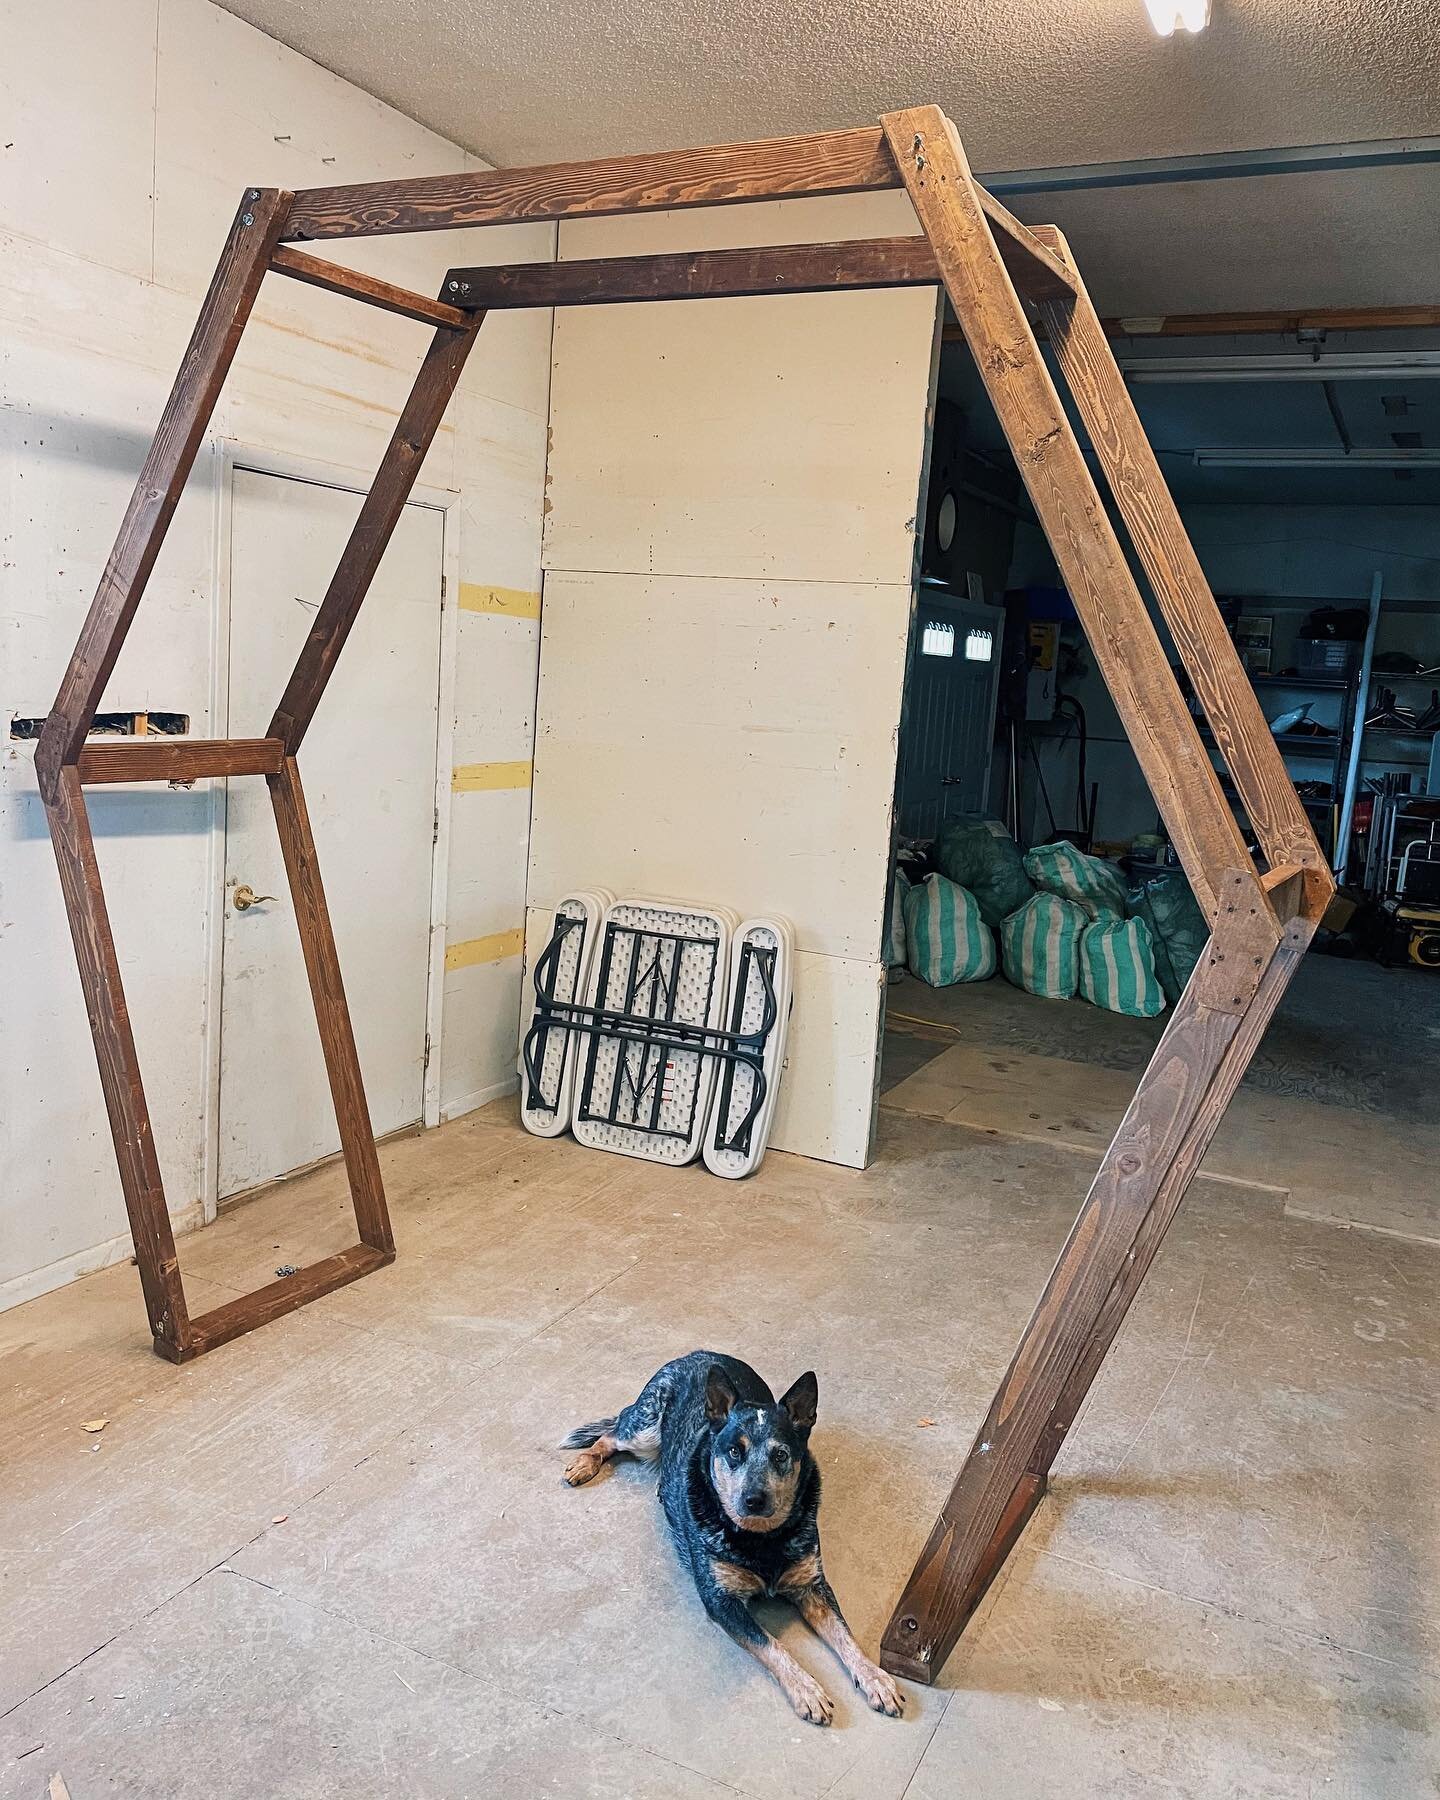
1062,869
1117,968
945,936
1041,946
981,856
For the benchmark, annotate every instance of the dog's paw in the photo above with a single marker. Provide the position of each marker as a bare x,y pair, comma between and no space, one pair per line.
880,1690
584,1467
809,1699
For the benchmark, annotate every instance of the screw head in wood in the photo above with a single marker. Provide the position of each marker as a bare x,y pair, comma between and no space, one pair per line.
247,218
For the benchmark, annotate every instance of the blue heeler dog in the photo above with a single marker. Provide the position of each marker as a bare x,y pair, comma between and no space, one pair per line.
741,1493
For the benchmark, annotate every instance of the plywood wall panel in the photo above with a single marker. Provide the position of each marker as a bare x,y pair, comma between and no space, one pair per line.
730,539
734,440
729,740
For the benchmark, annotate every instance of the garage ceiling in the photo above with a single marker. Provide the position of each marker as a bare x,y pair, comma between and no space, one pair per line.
1031,83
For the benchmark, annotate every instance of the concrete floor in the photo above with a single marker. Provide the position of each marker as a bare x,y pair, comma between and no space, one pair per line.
1336,1117
336,1557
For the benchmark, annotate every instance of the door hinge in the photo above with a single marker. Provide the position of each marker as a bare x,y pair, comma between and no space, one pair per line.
435,828
444,590
425,1063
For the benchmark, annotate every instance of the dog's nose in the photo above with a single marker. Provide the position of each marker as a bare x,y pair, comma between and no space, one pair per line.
756,1504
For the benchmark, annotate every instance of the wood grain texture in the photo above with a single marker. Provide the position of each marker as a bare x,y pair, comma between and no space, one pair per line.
120,1080
1285,888
203,368
826,162
1029,1491
1033,266
369,288
1168,557
414,432
699,275
223,1323
177,759
337,1039
1092,564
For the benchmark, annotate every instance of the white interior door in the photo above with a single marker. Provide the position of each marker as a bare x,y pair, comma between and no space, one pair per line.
369,768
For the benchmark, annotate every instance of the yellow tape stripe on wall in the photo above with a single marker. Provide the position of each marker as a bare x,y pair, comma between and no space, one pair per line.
510,603
494,948
481,778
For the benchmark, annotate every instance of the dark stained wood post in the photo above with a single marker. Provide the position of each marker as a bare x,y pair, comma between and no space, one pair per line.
120,1081
1256,940
206,362
379,514
1092,563
337,1038
1206,648
207,359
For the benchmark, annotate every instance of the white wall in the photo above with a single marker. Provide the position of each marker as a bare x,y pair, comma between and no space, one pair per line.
130,128
728,560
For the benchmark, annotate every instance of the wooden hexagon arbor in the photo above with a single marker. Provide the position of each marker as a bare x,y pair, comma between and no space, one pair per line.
991,266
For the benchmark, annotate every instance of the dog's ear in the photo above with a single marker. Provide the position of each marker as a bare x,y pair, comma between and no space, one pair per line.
800,1400
719,1395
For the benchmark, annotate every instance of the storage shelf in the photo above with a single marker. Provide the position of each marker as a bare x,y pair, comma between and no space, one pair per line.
1303,744
1335,683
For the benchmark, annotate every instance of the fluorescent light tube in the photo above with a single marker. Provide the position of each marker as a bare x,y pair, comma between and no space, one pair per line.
1240,458
1333,365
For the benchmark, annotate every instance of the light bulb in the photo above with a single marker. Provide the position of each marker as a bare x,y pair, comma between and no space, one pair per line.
1185,15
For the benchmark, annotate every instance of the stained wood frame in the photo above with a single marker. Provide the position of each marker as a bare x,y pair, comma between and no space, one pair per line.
1000,276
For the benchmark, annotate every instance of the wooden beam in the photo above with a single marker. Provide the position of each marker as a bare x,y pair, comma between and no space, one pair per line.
187,412
699,275
1334,318
120,1081
1144,1174
1151,1232
337,1038
369,288
1289,891
219,1326
414,431
1092,564
1033,267
826,162
177,759
1206,648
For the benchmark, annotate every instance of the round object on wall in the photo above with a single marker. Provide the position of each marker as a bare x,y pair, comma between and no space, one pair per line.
945,522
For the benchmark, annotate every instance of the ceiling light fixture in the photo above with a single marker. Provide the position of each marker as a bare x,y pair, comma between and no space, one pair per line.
1169,16
1329,365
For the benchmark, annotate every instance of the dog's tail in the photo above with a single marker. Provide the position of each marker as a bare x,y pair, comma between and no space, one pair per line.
583,1436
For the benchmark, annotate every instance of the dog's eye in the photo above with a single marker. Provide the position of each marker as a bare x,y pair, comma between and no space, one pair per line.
736,1455
779,1461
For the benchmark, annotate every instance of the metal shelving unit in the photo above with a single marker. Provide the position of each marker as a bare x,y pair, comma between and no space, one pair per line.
1321,807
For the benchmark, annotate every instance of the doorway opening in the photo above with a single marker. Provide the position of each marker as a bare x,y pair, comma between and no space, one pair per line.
1307,535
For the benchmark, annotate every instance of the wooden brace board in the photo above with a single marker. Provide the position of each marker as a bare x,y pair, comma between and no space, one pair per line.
996,272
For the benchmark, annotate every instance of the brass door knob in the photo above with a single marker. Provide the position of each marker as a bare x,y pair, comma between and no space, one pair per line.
245,897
